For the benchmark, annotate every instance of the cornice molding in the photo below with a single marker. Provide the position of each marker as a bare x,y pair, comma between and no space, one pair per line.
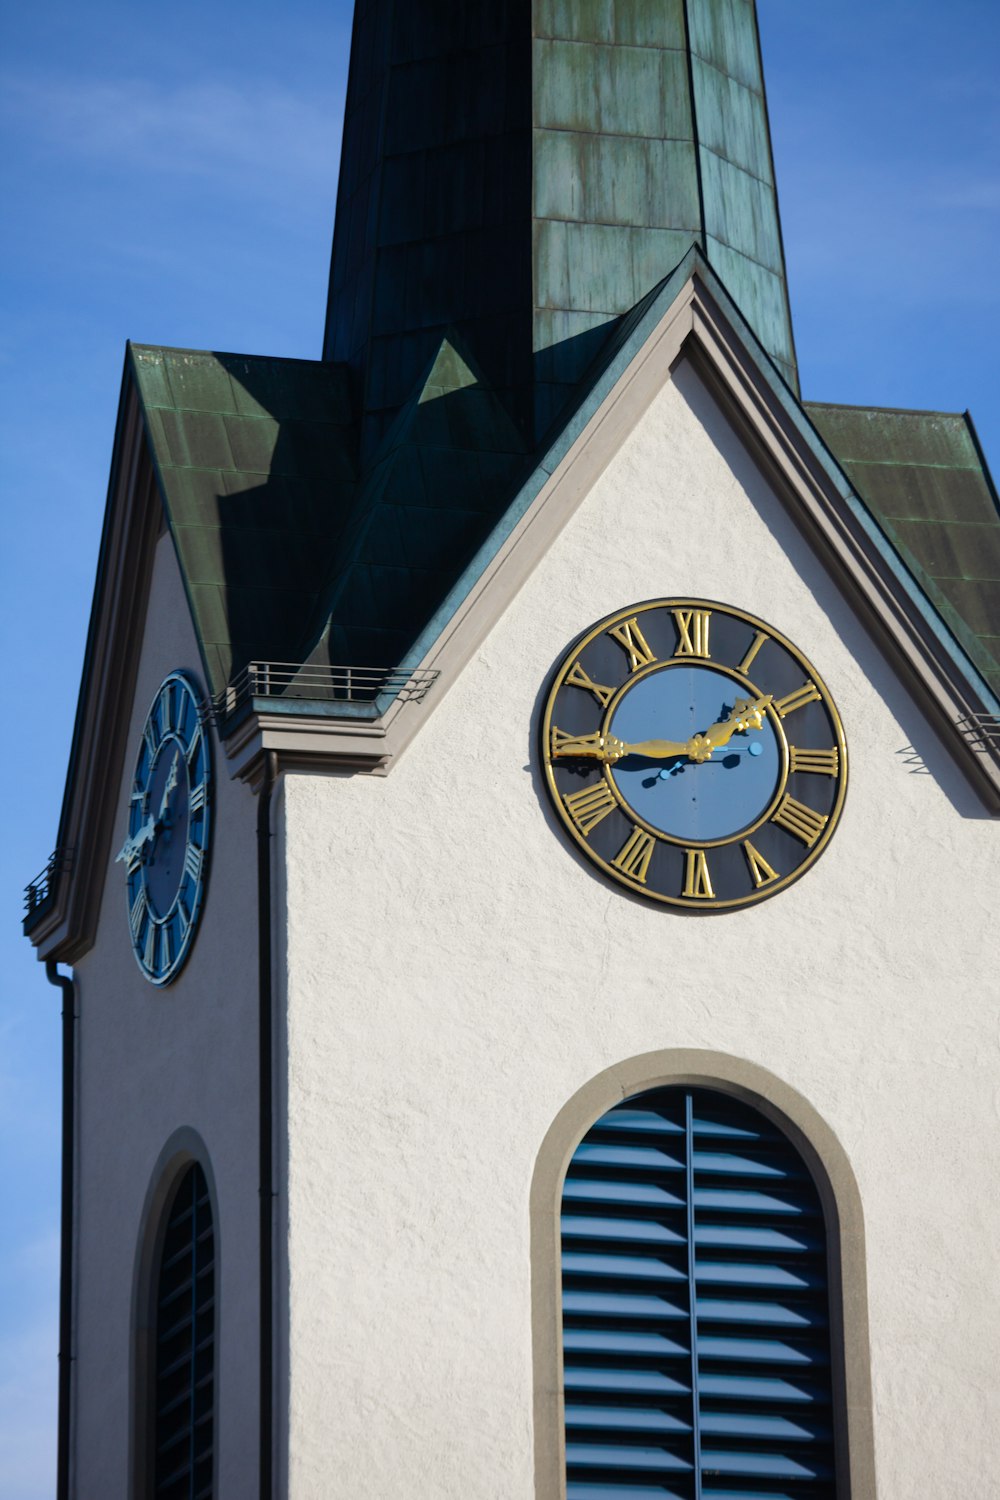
107,689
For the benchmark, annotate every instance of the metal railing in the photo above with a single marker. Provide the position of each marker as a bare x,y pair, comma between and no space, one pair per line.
317,683
38,892
981,730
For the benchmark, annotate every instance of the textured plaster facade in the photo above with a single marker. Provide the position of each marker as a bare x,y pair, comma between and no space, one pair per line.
455,973
164,1074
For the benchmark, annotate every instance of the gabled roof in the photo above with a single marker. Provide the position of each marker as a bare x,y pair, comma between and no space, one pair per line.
254,459
443,473
923,476
466,564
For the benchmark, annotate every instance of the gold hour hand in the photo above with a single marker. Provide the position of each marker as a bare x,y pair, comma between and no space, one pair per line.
608,748
656,749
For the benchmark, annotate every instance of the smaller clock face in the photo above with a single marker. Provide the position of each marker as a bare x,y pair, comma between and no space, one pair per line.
694,754
166,849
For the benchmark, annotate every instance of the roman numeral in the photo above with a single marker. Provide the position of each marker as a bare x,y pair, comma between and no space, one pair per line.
165,955
804,822
137,914
184,915
577,677
760,871
634,858
807,693
196,801
166,709
692,631
588,745
633,643
748,660
819,762
193,858
192,750
149,735
150,954
697,881
588,806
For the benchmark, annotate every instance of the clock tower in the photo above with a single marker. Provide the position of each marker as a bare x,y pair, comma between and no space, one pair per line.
520,1007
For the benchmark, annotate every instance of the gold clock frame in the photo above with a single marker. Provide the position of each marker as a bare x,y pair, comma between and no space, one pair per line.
763,633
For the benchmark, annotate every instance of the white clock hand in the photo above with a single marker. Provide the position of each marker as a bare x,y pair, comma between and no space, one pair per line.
168,789
131,850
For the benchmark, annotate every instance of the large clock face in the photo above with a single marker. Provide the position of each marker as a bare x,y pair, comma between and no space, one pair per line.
694,754
166,850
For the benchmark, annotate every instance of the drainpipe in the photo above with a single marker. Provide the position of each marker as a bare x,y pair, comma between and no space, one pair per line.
63,982
266,1142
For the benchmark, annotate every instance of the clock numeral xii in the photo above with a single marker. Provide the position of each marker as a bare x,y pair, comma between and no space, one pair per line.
692,631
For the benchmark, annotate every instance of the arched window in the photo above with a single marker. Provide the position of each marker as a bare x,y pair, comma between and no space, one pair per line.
696,1319
184,1352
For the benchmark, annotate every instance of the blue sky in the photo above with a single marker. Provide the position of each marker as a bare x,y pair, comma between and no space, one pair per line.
169,176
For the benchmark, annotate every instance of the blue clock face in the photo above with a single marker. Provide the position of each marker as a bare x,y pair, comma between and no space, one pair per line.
699,801
166,850
693,754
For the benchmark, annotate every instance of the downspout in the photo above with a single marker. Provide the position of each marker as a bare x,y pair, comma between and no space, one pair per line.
266,1144
64,983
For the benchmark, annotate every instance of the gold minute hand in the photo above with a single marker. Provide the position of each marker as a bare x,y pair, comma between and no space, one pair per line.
748,713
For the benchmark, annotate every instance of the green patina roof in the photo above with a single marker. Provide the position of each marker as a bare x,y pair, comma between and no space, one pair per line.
525,171
254,461
923,476
289,555
444,471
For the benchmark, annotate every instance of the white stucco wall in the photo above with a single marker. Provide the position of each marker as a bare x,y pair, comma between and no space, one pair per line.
153,1062
455,972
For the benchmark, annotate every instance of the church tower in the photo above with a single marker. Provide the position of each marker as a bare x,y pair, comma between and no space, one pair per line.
525,172
524,1022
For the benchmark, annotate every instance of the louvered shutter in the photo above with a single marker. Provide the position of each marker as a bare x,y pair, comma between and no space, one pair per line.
695,1308
185,1347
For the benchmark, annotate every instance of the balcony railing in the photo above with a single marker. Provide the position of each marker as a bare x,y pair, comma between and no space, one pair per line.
320,684
38,893
981,730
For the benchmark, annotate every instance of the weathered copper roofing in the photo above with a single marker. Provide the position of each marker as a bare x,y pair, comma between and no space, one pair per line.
525,171
923,476
254,462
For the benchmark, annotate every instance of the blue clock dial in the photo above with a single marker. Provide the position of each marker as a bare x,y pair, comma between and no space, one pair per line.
685,799
693,754
165,852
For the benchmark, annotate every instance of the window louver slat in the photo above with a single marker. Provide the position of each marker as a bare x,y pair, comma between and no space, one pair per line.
185,1347
696,1357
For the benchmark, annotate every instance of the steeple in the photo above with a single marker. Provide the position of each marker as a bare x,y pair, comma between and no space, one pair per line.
524,171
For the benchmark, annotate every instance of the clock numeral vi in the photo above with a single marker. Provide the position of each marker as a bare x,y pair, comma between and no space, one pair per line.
760,871
804,822
577,677
807,693
692,631
819,762
589,805
633,643
697,881
633,859
165,954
